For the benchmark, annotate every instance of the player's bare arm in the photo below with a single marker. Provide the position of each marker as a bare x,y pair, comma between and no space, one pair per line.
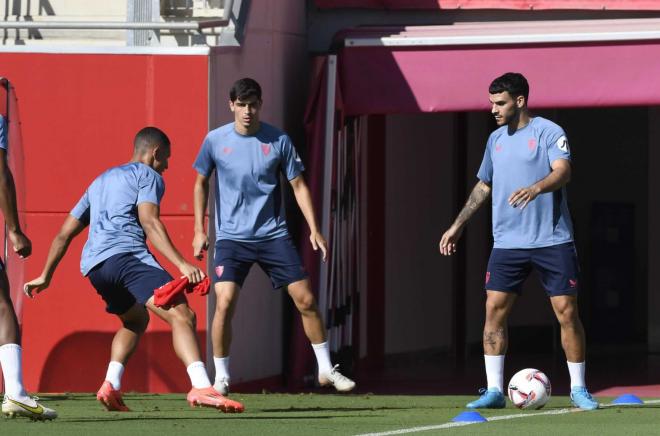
58,248
558,177
200,198
304,200
21,244
478,196
149,215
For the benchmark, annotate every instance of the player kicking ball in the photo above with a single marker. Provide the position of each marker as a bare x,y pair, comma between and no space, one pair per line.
248,157
16,401
122,210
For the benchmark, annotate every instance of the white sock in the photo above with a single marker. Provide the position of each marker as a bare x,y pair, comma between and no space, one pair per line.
115,371
198,376
10,360
495,371
221,368
576,370
322,353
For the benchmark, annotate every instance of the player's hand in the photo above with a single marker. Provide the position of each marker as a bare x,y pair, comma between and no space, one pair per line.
37,285
22,245
318,241
192,273
523,196
449,239
200,244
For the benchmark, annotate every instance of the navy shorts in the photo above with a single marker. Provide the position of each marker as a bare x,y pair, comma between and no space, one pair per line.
277,257
557,266
123,280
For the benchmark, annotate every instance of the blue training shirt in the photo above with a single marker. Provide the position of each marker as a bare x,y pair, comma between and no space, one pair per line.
518,160
109,206
248,203
3,133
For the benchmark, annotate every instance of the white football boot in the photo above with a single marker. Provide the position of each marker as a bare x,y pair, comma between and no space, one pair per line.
336,379
29,408
222,385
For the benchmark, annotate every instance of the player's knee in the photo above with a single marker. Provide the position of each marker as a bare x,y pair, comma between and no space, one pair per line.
566,315
137,324
306,303
223,305
183,314
494,307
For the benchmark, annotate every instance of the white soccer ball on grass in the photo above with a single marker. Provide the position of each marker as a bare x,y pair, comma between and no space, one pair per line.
529,389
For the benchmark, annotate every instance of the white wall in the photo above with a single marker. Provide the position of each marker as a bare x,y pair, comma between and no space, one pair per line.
274,54
419,200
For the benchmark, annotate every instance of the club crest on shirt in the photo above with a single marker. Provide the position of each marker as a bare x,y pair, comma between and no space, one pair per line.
266,149
562,144
219,270
531,143
498,147
227,150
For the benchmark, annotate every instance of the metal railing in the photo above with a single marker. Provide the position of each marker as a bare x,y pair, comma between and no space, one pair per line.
123,25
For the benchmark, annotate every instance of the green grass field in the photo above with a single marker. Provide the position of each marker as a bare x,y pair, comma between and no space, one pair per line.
324,414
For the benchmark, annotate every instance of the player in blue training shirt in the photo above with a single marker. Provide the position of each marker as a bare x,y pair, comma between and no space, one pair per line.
525,168
16,401
248,157
122,209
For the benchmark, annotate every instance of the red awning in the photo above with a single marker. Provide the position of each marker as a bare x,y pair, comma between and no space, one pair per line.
628,5
449,68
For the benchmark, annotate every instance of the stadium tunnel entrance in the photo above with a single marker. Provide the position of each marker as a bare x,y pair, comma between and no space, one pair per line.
402,139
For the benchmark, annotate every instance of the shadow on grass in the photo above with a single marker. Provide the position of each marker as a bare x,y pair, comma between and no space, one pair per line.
203,418
333,409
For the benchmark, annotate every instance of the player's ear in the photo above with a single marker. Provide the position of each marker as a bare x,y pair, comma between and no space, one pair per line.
231,105
520,101
153,151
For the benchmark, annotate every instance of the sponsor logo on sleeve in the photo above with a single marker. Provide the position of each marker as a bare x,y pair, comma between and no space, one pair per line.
562,144
219,270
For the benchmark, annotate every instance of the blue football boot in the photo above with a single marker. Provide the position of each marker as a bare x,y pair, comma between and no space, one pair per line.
581,398
490,399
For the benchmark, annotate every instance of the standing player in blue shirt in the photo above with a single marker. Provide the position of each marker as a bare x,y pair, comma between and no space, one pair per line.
122,209
248,157
16,401
525,168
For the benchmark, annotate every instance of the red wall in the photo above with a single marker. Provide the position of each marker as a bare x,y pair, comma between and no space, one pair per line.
79,114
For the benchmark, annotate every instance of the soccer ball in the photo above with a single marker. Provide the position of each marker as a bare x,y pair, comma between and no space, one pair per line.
529,389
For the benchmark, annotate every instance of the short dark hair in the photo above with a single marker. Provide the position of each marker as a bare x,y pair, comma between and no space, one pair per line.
244,89
148,137
513,83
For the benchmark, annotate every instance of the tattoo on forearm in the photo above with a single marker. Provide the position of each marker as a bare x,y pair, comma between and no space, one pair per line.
478,195
494,338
